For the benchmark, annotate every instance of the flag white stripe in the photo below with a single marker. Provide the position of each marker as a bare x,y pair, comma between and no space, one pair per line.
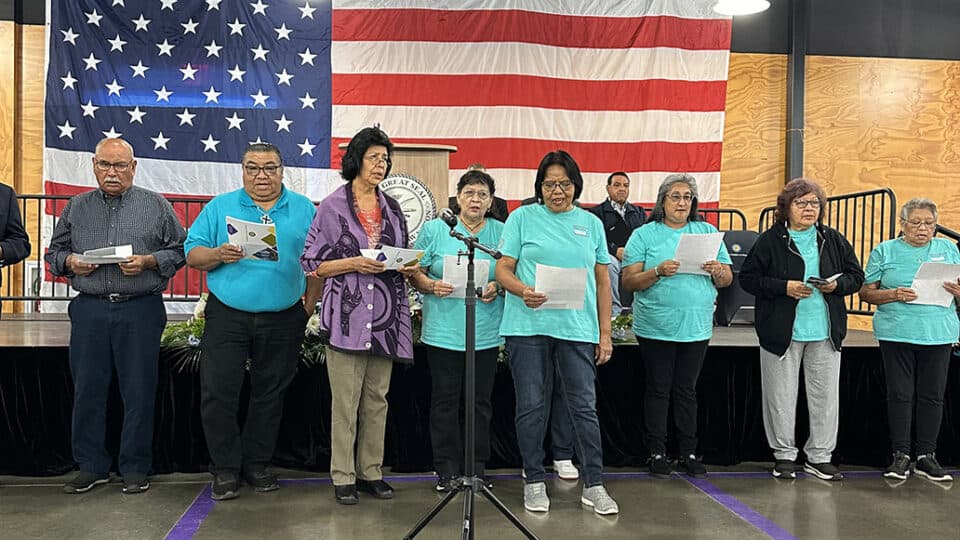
436,123
588,8
518,184
416,57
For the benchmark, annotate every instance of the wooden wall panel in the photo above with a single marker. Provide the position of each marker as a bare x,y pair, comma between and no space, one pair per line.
882,122
30,108
754,145
7,96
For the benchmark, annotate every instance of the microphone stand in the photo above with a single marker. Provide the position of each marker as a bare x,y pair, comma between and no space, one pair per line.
470,484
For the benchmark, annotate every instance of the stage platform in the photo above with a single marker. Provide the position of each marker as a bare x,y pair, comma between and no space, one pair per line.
53,330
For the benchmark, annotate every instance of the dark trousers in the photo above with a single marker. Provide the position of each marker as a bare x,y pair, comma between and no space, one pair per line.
672,369
916,377
447,376
270,342
561,427
104,337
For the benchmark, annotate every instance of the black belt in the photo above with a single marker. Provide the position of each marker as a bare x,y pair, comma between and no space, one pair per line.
116,298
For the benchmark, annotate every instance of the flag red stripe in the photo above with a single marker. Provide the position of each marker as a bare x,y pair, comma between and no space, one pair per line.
505,25
592,157
528,91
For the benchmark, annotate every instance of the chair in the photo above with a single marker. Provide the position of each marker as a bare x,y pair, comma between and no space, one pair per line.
734,305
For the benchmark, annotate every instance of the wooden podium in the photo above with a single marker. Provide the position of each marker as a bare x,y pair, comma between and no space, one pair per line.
430,163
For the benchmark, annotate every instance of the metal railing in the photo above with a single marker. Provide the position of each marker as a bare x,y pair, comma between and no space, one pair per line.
724,219
864,218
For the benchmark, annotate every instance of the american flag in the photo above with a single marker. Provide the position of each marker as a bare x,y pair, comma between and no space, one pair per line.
621,85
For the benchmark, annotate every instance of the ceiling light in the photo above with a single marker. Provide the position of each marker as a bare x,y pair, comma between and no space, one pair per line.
740,7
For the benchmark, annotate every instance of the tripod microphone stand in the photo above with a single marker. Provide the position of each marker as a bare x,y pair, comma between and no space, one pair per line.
470,484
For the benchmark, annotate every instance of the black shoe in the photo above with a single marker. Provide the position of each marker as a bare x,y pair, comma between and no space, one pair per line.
659,466
260,480
84,482
784,469
346,494
692,466
928,467
824,471
377,488
134,483
899,469
446,484
225,486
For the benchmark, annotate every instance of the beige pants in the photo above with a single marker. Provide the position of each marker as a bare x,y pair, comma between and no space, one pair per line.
358,386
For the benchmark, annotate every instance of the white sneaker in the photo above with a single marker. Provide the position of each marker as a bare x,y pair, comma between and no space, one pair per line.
601,501
535,497
566,470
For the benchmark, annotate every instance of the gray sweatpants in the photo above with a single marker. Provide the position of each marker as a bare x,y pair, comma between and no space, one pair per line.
780,377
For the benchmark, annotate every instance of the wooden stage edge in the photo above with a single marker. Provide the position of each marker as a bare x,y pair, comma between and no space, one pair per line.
53,330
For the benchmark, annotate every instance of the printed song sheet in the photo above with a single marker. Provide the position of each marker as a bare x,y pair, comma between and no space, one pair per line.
695,249
565,287
928,283
455,273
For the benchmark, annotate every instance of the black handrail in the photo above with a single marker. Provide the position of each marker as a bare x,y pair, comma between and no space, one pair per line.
864,218
724,219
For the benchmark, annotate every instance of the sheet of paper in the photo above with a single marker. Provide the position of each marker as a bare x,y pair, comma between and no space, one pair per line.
928,283
395,257
695,249
370,253
257,240
565,288
455,273
106,255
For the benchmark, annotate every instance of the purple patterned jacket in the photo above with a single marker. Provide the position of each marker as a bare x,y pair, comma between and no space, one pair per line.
361,313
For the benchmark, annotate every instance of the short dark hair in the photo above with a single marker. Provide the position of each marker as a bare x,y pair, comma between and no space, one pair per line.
796,188
618,173
352,161
262,147
470,178
565,160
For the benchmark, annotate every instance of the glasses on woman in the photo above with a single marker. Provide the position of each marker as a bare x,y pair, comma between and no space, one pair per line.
469,194
676,197
918,224
550,186
374,159
803,203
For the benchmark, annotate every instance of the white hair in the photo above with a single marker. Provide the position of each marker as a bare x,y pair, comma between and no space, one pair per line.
125,144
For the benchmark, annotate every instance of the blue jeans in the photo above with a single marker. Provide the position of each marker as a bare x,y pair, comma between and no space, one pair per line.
536,362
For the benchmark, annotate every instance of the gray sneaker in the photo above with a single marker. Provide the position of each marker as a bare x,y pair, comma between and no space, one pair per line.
535,497
601,501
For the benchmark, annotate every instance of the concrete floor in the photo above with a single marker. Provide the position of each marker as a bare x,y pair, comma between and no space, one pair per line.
738,503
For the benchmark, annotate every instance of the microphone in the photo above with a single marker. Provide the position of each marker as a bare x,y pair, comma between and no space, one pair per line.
448,217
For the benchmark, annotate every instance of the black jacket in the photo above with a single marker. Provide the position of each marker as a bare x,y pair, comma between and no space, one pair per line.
775,259
15,242
618,228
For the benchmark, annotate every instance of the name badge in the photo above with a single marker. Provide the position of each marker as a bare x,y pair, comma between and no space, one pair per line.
937,258
579,230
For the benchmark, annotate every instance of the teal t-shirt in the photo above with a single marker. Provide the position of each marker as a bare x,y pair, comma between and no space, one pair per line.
444,318
573,239
251,284
894,263
677,308
812,320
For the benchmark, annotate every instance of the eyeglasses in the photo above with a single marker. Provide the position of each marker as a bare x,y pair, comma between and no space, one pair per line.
676,197
802,203
254,170
374,159
918,224
119,167
550,186
469,194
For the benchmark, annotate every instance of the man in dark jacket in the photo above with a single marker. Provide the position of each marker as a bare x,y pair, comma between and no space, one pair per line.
619,218
14,242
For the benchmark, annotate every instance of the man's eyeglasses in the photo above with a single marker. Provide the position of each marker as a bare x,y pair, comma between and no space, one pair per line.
119,166
374,159
254,170
918,224
482,195
802,203
550,186
676,197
